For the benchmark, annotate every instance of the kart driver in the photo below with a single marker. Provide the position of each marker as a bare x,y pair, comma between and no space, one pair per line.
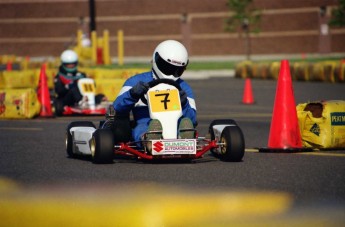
169,61
65,82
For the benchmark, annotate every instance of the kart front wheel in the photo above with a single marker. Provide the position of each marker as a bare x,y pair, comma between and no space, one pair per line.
218,122
232,148
69,139
102,146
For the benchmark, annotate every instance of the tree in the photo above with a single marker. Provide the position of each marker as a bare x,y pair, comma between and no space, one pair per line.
243,16
338,15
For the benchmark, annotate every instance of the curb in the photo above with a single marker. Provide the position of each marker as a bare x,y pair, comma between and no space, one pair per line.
206,74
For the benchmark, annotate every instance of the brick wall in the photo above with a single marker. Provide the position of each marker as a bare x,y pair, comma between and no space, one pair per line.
47,27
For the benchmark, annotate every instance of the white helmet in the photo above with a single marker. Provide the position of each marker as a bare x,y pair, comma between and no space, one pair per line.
170,59
69,57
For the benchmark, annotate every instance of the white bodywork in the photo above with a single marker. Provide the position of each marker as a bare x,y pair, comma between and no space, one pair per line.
168,118
87,88
81,137
217,130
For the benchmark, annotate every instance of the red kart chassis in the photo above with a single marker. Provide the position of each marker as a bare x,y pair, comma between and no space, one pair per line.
68,110
225,140
127,149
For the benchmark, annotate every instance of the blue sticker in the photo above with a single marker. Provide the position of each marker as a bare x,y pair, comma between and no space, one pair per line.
338,118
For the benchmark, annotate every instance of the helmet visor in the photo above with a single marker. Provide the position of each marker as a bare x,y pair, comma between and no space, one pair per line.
70,67
167,68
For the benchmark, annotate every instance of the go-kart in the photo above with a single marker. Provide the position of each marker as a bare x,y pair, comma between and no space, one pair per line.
93,105
113,138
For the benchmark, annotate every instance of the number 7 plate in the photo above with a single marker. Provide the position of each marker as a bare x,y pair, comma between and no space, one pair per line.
165,100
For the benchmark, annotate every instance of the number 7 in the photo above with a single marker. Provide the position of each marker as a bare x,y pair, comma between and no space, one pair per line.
165,100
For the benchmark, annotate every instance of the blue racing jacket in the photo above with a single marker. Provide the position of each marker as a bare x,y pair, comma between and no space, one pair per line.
124,103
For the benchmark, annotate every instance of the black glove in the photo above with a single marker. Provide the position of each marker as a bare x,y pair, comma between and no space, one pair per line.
183,97
139,90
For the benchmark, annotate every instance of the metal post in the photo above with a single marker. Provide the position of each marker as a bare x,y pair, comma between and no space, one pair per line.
120,47
92,8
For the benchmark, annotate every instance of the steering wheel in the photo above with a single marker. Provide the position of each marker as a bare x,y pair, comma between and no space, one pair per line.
161,81
164,81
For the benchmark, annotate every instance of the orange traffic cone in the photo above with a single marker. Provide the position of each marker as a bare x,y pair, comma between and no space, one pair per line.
285,135
43,94
248,93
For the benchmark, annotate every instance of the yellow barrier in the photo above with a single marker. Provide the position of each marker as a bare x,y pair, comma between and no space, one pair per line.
19,103
244,69
2,81
117,73
7,58
322,124
20,79
109,87
90,72
328,71
339,72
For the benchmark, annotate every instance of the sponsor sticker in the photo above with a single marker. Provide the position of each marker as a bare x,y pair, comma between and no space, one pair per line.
315,129
338,118
165,147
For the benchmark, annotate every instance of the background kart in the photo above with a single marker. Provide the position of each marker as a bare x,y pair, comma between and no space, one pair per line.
94,105
113,138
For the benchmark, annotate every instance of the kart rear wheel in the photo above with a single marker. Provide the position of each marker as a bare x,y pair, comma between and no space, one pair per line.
102,146
233,146
219,122
69,139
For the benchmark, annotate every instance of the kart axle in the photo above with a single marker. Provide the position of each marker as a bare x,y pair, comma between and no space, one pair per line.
135,152
212,144
127,148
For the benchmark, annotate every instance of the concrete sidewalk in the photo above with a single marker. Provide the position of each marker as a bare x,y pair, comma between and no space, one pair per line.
206,74
235,58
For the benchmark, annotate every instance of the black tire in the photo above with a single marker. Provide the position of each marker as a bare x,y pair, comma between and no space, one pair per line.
99,98
59,107
102,146
218,122
69,141
233,148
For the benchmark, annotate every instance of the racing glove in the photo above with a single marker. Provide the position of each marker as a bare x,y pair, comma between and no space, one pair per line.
138,90
183,97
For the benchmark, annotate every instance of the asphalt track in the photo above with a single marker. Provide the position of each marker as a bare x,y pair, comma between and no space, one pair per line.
40,186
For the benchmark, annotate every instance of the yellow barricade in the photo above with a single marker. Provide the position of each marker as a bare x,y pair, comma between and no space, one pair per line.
322,124
20,79
244,69
108,73
90,72
19,103
117,73
274,70
109,87
2,81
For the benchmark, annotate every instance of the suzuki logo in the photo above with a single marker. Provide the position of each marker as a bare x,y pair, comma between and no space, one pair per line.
158,146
